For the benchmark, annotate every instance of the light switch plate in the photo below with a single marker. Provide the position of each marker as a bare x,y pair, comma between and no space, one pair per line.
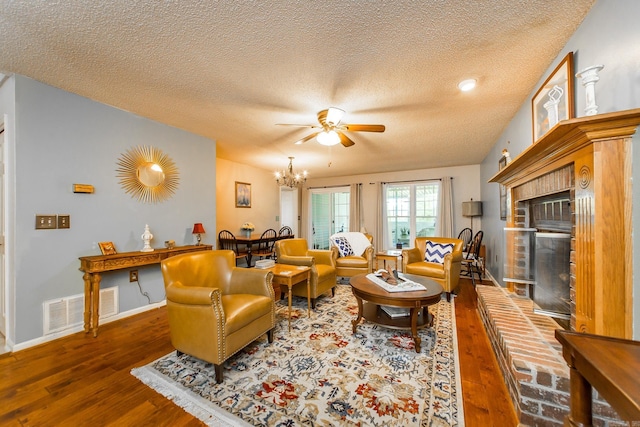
64,221
46,222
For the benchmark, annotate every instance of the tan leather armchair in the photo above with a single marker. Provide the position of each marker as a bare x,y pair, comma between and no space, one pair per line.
447,274
215,308
349,266
322,263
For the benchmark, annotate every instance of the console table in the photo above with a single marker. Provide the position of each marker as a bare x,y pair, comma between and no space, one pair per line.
94,266
610,365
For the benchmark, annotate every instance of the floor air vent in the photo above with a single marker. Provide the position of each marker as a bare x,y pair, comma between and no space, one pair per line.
65,313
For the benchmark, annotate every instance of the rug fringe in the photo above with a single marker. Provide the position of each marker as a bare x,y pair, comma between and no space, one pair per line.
456,360
195,405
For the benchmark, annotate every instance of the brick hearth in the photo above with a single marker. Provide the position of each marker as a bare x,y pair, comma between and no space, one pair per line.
530,359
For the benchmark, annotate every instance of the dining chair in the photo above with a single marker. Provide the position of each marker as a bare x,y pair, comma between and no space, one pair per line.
265,246
229,242
471,258
465,235
285,231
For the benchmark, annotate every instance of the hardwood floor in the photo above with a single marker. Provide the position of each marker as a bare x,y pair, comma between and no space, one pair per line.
80,380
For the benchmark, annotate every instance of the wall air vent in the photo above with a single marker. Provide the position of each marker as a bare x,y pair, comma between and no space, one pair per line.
68,312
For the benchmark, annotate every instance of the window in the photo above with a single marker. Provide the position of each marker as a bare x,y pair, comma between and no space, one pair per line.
411,211
329,214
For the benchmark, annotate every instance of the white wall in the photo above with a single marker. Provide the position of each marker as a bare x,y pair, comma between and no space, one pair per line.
59,139
609,35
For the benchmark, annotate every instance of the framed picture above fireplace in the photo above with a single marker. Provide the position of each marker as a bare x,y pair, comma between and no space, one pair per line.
502,163
553,102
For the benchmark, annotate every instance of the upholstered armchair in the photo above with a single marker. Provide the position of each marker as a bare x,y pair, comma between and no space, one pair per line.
322,263
215,308
443,269
354,253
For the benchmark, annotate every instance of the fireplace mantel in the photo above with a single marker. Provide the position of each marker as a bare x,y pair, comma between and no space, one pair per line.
599,149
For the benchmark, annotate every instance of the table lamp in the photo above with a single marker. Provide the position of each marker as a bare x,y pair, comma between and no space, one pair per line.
197,230
472,209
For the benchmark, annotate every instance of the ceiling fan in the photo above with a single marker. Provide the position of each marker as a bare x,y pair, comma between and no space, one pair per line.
332,131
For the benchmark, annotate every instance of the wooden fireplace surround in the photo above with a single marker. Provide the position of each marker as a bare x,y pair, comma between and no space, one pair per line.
599,149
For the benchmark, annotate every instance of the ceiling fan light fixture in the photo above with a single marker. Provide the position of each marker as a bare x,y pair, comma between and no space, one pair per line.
328,138
467,85
334,115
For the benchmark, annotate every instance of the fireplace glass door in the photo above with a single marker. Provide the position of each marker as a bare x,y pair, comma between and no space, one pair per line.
551,289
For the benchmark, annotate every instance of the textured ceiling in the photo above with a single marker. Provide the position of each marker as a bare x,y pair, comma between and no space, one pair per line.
231,70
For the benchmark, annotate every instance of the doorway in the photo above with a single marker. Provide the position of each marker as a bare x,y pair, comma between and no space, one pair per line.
289,209
329,214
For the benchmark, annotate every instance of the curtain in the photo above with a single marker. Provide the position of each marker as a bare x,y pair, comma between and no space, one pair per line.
356,215
445,214
381,222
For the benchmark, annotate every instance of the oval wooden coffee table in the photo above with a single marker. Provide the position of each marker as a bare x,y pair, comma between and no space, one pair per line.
371,297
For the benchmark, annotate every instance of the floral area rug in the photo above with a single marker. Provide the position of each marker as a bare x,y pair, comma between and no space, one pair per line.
321,374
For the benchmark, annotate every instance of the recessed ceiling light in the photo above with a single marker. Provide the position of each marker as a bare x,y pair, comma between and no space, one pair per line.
467,85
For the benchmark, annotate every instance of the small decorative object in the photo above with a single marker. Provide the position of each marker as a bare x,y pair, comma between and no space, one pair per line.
146,238
147,174
198,229
169,244
553,102
589,78
107,248
243,195
552,105
248,227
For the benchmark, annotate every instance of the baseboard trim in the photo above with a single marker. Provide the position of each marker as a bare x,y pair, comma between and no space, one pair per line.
76,329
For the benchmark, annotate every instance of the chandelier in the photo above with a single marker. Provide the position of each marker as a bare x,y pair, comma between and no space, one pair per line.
287,178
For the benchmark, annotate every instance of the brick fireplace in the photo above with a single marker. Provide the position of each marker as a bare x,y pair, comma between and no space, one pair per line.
590,160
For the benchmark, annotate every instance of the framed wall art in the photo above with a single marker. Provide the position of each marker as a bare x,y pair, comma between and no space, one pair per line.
554,101
502,163
243,195
107,248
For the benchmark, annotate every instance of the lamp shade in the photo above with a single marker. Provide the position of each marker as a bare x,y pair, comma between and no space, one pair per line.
198,228
472,208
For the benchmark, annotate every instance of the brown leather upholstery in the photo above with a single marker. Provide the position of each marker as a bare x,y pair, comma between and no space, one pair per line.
215,308
351,265
322,263
447,274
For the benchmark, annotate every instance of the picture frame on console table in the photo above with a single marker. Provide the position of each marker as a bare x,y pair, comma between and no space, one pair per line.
554,100
243,195
107,248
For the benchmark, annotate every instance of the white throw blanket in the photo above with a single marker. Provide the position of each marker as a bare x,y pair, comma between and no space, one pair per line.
357,240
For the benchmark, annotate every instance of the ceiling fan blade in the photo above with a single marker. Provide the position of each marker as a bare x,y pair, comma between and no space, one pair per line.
296,125
306,138
364,128
344,140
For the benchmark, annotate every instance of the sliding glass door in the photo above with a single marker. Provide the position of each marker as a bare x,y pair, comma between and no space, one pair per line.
329,214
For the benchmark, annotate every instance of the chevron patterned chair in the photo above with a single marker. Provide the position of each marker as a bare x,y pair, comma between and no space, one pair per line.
438,258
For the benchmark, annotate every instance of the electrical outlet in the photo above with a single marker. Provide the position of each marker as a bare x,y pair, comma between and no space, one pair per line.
133,275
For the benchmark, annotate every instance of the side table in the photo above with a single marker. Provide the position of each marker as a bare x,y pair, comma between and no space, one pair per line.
394,255
290,275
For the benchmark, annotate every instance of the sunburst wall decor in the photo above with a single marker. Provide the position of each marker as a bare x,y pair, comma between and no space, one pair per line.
147,174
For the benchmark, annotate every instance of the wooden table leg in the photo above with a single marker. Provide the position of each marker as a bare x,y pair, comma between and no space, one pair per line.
290,286
414,327
309,294
87,302
357,319
95,302
580,403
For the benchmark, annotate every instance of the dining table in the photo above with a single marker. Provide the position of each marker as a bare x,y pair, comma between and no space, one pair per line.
249,240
